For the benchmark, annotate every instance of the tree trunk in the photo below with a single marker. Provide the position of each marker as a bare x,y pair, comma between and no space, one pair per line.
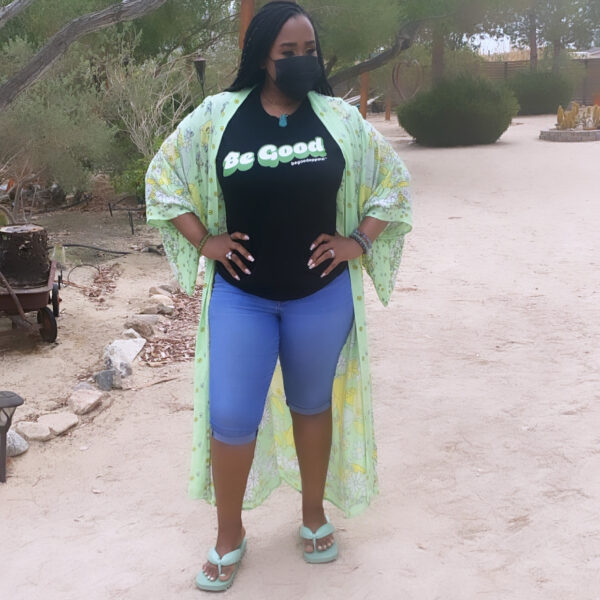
404,40
437,54
12,10
533,41
556,49
24,256
127,10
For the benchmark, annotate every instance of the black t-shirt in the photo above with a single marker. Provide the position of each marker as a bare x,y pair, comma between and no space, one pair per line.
280,186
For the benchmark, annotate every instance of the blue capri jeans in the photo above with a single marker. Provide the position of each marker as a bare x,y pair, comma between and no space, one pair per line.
248,333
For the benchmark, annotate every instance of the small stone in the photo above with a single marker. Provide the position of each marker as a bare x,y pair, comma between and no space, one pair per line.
15,444
159,290
123,352
58,423
104,379
84,385
33,431
149,309
164,303
24,413
173,285
52,405
83,401
161,299
142,326
130,334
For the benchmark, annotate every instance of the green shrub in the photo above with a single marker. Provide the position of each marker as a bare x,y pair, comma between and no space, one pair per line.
459,112
541,93
132,179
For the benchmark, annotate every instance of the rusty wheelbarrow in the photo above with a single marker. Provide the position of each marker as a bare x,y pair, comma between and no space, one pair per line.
16,301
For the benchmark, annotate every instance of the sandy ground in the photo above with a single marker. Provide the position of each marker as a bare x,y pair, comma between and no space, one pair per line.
486,387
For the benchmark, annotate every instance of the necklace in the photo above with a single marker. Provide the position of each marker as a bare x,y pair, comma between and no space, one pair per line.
283,118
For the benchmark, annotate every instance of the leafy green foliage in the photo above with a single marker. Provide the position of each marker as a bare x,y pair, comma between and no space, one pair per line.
132,179
53,131
541,93
459,112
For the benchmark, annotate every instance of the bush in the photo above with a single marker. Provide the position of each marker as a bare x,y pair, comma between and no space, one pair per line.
541,93
132,179
459,112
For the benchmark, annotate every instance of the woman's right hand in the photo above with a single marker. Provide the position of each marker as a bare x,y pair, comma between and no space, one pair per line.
221,247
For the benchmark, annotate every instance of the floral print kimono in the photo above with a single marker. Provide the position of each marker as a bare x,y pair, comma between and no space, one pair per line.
181,178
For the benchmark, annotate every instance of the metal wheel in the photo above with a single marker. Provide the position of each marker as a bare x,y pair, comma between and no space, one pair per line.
48,329
55,299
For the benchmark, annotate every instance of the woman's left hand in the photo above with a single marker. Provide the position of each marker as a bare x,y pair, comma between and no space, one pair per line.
336,247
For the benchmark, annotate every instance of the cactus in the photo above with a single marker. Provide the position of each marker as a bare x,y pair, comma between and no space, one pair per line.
586,117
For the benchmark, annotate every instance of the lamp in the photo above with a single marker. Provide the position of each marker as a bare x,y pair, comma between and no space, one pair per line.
200,64
8,404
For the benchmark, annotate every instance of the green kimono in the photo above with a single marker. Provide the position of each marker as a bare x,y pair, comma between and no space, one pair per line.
182,178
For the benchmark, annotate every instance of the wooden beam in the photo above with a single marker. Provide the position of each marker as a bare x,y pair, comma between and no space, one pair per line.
388,106
246,14
365,80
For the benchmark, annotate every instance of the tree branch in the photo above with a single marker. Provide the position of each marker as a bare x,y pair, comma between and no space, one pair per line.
12,10
127,10
403,41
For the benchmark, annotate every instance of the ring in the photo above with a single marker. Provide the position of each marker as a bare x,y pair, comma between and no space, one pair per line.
229,255
332,252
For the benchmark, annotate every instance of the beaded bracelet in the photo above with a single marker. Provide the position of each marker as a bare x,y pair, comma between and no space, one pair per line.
203,242
362,239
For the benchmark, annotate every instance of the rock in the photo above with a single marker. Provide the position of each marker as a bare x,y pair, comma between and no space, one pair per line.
104,379
161,299
58,423
160,291
84,385
83,401
130,334
173,285
164,303
24,413
33,431
149,309
121,353
142,326
52,405
15,444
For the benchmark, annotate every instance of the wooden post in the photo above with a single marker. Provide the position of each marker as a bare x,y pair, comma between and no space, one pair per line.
388,106
365,79
246,14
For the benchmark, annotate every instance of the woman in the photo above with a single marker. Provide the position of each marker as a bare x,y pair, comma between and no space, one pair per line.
287,192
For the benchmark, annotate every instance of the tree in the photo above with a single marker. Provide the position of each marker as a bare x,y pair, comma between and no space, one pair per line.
126,10
561,24
12,10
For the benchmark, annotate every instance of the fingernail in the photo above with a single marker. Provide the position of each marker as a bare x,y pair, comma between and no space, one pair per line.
322,274
246,237
312,247
237,277
250,257
247,271
310,264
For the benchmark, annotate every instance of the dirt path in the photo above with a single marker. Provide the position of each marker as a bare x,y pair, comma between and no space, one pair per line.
486,387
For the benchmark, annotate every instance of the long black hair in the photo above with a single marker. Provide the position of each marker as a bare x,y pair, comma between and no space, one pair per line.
262,33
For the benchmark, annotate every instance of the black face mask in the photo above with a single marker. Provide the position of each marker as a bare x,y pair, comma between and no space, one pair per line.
297,75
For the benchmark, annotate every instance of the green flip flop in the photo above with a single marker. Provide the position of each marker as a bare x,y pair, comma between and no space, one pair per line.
231,558
319,556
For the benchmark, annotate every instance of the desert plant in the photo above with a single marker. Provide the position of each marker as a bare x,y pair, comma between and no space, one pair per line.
459,112
541,93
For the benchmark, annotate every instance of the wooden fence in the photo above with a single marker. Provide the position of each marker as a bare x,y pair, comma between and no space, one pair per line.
586,91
